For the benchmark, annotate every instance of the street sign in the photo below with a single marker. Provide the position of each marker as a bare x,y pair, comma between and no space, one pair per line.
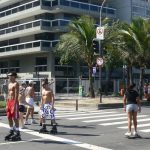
94,70
99,61
100,33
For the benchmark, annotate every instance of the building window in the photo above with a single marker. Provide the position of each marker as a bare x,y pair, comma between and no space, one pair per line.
14,65
8,66
4,67
41,64
63,70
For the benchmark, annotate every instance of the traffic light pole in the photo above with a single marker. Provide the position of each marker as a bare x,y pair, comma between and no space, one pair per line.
100,68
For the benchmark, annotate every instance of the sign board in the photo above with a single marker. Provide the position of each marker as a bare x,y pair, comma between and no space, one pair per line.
94,70
100,33
99,61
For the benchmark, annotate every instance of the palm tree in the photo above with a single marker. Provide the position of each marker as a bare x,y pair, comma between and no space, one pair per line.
77,45
137,36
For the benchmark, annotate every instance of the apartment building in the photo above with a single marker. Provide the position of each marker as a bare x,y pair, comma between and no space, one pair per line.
29,30
126,10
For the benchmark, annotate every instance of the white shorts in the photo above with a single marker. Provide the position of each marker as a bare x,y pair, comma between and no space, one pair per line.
47,111
132,107
30,101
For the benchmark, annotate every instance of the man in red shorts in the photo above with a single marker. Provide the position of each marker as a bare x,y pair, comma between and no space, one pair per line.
12,107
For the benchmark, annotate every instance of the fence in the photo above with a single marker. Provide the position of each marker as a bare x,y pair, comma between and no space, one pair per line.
68,86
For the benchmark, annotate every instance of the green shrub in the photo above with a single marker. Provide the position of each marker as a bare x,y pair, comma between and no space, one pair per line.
2,104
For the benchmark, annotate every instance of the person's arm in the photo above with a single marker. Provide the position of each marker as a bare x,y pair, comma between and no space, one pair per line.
16,95
138,103
52,97
124,102
16,92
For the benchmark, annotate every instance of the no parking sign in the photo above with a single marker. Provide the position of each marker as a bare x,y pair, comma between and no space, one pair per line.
100,33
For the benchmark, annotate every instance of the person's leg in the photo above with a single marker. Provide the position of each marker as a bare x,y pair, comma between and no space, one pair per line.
21,119
129,121
27,115
135,121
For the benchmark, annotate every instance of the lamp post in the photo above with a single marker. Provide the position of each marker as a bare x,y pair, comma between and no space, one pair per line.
100,69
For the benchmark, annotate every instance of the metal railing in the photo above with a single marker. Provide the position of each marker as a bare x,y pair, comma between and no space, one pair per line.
36,23
31,44
69,3
20,8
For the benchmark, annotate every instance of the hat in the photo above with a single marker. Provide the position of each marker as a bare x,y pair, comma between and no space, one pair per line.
12,74
23,82
31,82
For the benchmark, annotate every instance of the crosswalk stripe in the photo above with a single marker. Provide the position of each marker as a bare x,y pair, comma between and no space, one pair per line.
139,126
77,112
84,114
78,118
123,122
145,130
107,119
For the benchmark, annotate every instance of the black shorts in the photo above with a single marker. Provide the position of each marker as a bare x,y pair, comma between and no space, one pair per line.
22,108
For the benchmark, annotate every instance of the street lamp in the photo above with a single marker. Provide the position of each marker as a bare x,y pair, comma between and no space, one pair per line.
100,69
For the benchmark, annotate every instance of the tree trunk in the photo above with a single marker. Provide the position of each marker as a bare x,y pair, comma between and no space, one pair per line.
108,76
129,75
141,82
91,89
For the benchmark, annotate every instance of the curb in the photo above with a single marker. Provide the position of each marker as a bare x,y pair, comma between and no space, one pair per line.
119,105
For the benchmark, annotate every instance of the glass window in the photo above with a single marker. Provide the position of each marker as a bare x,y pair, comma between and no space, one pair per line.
28,6
3,64
14,10
37,23
84,6
94,8
110,11
36,44
28,45
14,63
64,2
29,25
41,64
75,4
21,8
54,3
41,61
8,12
37,3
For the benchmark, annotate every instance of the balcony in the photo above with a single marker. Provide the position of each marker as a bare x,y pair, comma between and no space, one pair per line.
37,7
33,27
27,48
80,7
21,11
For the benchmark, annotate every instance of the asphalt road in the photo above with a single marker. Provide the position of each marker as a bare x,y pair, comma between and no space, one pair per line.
88,129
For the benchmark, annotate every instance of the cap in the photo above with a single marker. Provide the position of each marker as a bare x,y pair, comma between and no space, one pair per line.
31,82
12,74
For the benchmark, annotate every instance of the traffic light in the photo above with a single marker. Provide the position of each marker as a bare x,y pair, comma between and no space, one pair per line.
95,43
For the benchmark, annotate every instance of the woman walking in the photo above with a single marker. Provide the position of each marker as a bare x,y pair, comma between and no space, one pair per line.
132,105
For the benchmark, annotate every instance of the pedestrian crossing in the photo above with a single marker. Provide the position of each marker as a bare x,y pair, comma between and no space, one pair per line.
110,118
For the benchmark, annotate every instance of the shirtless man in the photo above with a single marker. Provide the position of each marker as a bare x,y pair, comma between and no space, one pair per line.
12,108
47,107
30,96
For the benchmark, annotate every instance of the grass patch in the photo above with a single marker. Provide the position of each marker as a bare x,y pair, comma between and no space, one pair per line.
2,104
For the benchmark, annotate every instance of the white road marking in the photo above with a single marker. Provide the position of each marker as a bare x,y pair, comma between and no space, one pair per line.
139,126
145,130
103,116
107,119
17,142
84,114
60,139
123,122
